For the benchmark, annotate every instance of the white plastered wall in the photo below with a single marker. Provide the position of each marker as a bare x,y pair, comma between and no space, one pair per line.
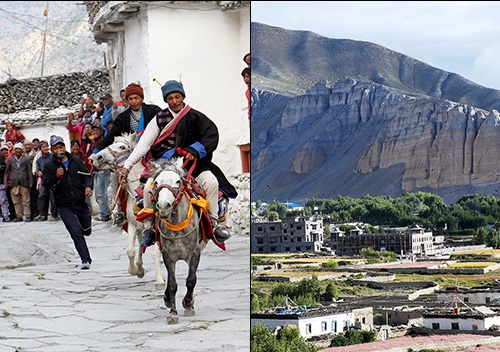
205,50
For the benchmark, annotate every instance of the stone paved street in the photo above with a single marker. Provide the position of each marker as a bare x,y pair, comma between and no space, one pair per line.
48,304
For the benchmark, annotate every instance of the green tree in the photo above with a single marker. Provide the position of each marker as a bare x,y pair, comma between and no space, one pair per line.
330,292
288,340
278,207
273,216
493,238
480,236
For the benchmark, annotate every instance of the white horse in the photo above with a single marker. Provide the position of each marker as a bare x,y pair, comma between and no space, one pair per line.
112,158
179,224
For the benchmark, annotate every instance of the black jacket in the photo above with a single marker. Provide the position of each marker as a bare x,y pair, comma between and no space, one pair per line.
70,189
121,124
197,127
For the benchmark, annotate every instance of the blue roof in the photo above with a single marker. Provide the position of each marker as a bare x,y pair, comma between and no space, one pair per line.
293,205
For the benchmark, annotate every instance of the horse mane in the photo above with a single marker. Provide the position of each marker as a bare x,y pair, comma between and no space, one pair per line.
173,164
129,138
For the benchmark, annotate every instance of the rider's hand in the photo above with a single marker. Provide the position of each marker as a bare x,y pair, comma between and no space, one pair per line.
190,156
122,178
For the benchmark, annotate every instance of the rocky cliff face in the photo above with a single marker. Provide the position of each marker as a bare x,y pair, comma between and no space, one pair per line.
356,136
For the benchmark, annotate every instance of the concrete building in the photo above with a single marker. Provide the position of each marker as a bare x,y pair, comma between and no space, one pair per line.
294,234
414,241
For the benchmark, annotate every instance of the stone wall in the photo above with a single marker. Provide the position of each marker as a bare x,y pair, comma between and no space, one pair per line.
48,100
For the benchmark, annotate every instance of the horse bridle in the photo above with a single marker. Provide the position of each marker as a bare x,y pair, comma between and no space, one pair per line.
177,192
119,157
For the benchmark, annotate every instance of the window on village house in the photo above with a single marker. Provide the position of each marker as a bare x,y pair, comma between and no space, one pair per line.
454,326
260,229
435,326
299,228
260,240
308,329
466,299
272,228
287,249
273,240
273,249
334,326
260,249
324,325
488,299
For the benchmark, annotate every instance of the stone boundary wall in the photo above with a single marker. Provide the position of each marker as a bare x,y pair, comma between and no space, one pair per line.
49,93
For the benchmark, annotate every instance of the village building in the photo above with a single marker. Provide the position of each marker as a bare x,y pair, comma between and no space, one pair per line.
413,242
316,321
468,295
462,319
291,234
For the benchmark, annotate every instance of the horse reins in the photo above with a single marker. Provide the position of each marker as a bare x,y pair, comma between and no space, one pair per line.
178,194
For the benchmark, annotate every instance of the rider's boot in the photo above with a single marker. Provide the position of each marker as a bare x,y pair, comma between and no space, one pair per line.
120,219
221,233
148,234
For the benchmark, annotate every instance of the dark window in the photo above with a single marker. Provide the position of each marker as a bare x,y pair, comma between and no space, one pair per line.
323,326
308,329
454,326
435,326
488,299
260,240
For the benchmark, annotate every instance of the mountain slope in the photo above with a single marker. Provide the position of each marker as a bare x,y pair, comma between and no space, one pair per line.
352,118
69,47
289,62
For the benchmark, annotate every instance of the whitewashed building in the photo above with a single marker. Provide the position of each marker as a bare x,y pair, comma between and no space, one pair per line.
475,319
201,43
316,322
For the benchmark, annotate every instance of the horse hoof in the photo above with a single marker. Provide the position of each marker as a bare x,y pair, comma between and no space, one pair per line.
172,319
140,274
189,312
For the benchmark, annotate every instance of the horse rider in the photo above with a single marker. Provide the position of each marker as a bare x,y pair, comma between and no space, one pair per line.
134,119
180,126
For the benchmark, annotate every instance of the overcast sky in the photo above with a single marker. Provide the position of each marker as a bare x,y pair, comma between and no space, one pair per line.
462,37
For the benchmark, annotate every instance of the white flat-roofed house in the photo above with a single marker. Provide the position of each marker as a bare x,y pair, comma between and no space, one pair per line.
468,319
316,321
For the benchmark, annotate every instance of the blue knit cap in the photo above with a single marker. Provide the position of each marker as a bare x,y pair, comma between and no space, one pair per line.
172,86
